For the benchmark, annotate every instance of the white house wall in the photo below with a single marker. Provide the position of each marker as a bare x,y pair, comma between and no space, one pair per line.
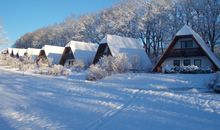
205,61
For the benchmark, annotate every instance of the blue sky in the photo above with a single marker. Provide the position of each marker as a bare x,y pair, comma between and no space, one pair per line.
22,16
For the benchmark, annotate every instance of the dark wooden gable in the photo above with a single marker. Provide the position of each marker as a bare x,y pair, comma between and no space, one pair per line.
168,52
102,52
13,55
67,54
42,54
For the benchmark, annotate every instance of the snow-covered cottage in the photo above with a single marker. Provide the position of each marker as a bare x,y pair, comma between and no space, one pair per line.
79,51
51,53
22,52
33,53
188,48
4,51
14,52
113,45
9,51
17,52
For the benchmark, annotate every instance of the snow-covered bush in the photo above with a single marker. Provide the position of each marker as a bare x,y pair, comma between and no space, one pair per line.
192,69
96,72
117,64
189,69
106,63
26,64
77,66
169,69
109,65
121,64
43,62
53,70
7,60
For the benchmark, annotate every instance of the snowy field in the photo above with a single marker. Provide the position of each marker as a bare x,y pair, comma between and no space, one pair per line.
121,102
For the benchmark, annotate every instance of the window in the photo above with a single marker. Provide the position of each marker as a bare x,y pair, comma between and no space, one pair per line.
176,62
186,62
198,62
186,44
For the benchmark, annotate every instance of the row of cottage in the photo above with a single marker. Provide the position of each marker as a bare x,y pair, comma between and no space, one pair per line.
187,48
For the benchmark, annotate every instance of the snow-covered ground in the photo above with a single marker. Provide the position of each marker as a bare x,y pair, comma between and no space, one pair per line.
120,102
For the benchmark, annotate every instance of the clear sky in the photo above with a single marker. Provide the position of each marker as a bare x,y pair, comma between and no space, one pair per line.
22,16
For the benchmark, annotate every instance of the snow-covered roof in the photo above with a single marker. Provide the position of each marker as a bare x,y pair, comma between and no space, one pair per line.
10,50
4,51
130,46
53,53
83,51
186,30
15,51
21,52
116,43
33,51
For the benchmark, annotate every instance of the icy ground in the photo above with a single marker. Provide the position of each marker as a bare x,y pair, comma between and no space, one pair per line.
121,102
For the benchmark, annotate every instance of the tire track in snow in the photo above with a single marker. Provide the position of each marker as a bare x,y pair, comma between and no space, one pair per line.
97,124
206,104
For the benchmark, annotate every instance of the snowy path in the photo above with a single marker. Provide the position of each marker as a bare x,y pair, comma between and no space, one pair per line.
130,101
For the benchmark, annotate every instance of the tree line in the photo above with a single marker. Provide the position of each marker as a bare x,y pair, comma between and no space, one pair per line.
154,22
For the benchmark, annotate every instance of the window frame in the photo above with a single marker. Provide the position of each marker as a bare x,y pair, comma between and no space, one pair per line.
200,60
184,61
185,43
175,61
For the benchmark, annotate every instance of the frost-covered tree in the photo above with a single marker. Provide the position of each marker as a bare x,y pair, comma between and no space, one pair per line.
154,22
203,16
57,34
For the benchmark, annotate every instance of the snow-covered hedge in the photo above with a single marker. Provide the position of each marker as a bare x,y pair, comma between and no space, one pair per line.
109,65
96,72
77,66
6,60
28,64
55,70
186,69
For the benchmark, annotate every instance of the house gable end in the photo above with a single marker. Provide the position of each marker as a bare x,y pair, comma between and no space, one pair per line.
101,52
67,54
171,46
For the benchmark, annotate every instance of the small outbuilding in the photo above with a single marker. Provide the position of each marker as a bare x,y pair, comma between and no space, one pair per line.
79,51
51,53
188,48
113,45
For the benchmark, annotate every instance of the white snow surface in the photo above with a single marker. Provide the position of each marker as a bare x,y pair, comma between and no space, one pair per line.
120,102
186,30
130,46
53,52
33,51
83,51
